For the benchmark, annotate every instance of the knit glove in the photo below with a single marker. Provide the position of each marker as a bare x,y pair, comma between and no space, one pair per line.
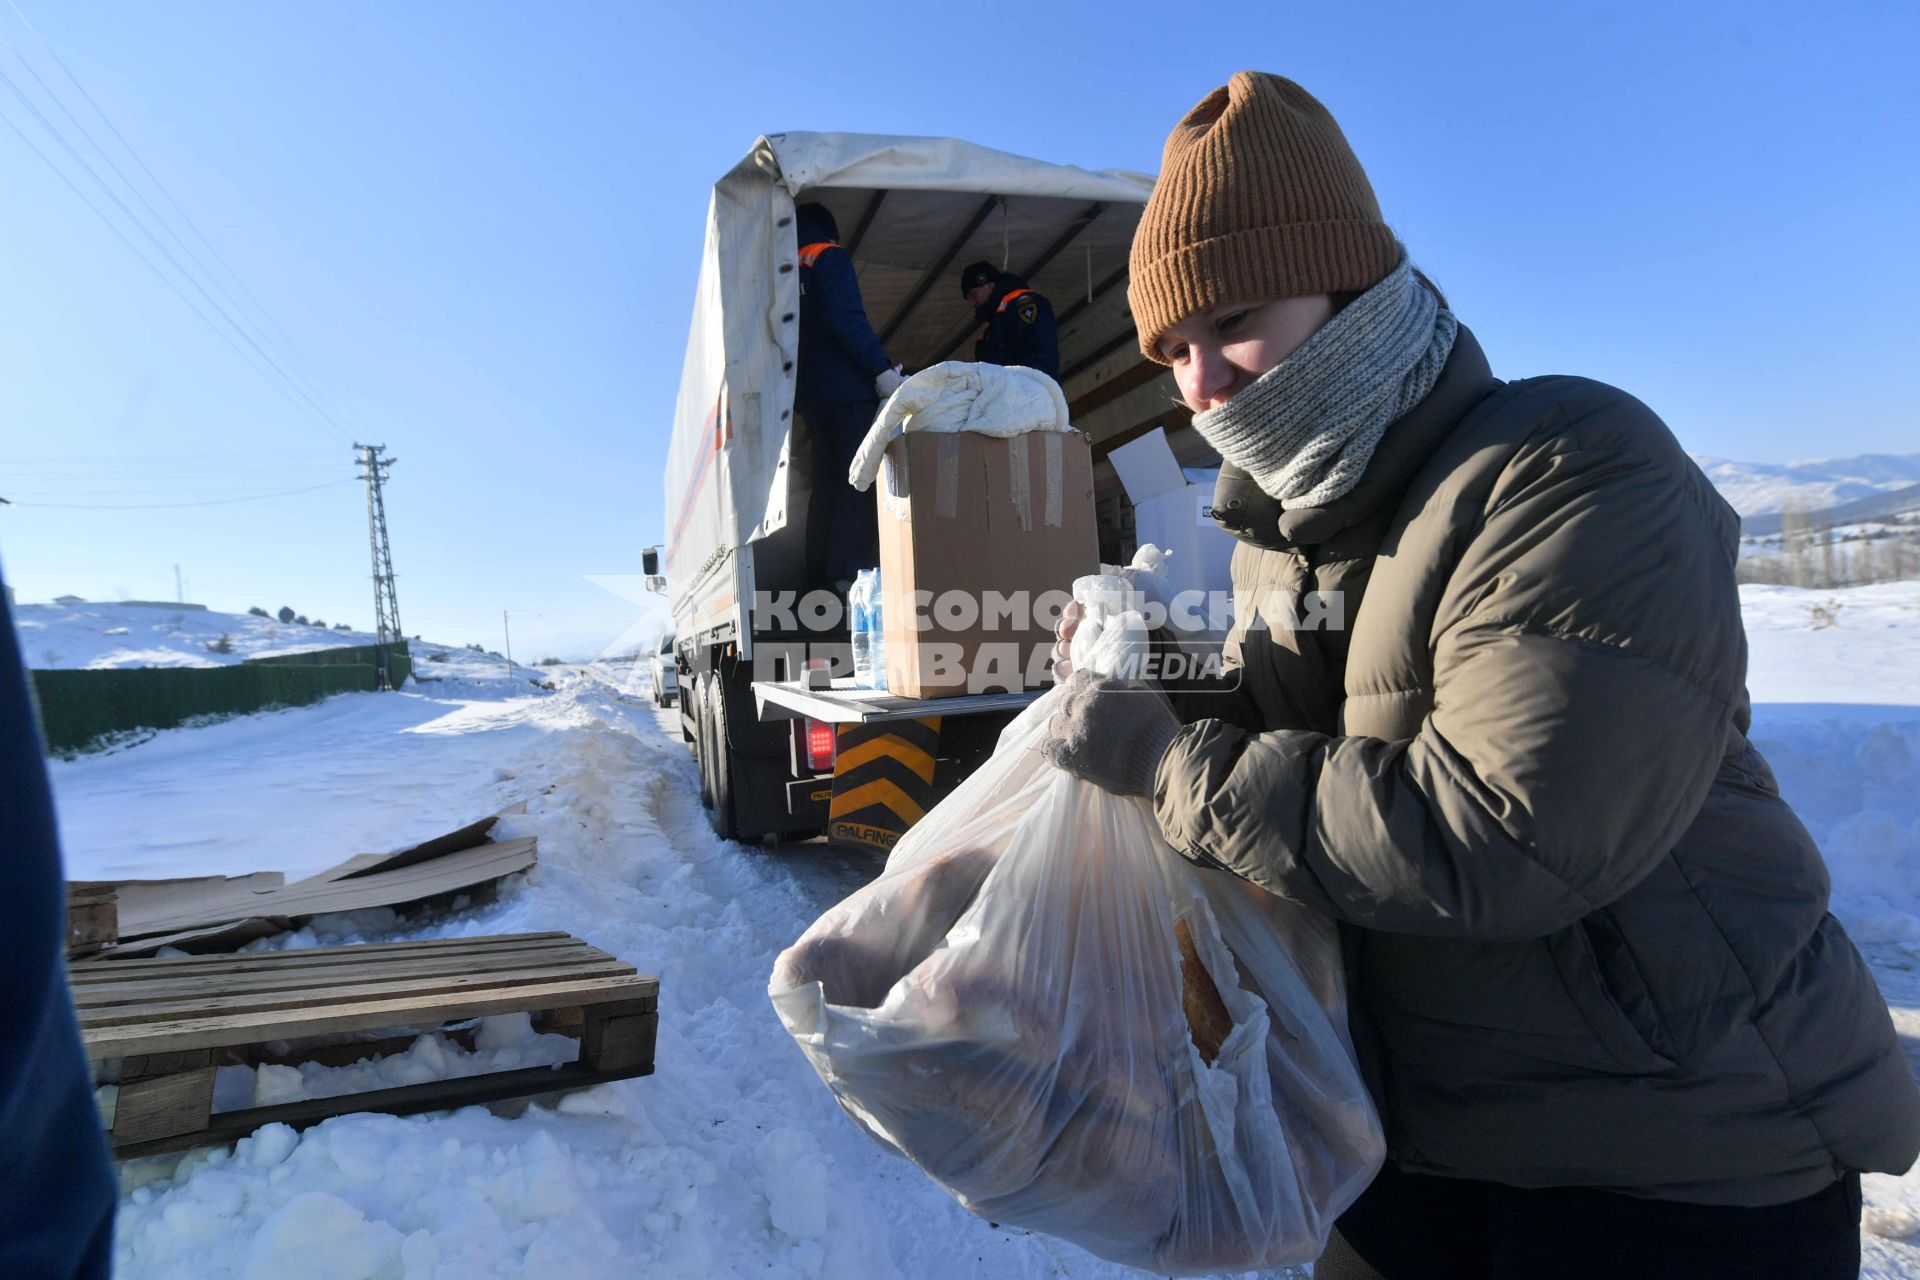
1110,732
888,381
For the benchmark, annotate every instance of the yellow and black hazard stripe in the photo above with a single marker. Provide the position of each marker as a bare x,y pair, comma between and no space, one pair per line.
882,780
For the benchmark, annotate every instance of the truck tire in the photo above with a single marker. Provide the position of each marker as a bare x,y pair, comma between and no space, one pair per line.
702,752
720,774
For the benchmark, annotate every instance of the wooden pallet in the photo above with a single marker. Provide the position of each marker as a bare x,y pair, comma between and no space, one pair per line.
93,917
169,1024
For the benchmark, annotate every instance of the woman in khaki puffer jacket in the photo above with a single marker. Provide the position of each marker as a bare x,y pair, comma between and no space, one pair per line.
1611,1028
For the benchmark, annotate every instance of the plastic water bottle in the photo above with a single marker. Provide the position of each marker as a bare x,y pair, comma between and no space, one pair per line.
876,636
860,624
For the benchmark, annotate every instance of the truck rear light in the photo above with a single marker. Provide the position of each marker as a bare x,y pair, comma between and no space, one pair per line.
820,745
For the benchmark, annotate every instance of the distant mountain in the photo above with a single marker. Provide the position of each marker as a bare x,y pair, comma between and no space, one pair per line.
1880,509
1762,488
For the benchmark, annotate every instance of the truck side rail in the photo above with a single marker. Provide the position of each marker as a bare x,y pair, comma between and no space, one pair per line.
842,703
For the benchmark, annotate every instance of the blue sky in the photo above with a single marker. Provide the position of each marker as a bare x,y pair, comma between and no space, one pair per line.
476,228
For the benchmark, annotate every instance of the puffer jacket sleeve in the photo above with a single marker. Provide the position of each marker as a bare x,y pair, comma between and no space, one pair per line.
843,314
1587,659
1220,697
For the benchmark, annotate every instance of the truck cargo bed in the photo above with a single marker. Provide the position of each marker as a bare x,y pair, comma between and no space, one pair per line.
842,703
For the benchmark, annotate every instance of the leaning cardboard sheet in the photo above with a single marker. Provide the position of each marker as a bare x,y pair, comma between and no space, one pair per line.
1072,1029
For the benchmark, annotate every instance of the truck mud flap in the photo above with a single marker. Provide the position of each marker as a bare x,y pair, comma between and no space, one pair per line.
882,780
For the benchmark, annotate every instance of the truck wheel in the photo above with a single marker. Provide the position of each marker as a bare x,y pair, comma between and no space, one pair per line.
702,738
721,778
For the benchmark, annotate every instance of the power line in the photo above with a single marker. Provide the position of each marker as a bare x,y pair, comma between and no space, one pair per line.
299,378
154,178
224,460
157,506
227,457
114,227
254,476
298,382
172,475
62,493
165,252
102,151
139,253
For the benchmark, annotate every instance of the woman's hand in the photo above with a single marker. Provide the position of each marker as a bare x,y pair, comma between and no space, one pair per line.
1111,733
1063,640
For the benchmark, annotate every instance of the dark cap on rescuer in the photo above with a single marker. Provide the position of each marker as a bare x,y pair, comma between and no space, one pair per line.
976,274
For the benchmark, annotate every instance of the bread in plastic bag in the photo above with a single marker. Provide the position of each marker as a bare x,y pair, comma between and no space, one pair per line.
1014,1005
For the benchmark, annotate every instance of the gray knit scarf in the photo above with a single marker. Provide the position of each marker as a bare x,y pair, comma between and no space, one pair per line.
1306,429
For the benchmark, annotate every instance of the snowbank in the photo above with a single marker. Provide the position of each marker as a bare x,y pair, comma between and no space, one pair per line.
55,637
148,635
729,1161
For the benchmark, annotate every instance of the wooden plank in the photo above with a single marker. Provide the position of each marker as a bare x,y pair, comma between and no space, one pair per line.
618,1036
93,917
112,970
1125,378
221,937
453,842
1110,425
206,984
145,1066
353,866
422,993
165,1106
145,902
315,961
449,874
437,1095
248,1028
341,1055
92,889
368,866
568,1020
203,989
356,885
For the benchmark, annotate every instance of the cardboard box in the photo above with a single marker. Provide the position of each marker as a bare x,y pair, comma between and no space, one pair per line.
1174,512
981,538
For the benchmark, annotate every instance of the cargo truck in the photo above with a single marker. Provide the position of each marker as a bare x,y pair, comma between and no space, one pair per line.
912,211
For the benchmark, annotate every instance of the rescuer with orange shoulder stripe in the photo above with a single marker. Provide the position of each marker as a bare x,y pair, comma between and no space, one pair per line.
1019,320
843,376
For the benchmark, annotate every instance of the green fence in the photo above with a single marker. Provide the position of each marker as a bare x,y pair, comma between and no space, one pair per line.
78,708
397,659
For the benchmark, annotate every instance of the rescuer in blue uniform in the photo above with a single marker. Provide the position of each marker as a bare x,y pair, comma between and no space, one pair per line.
844,374
57,1189
1019,321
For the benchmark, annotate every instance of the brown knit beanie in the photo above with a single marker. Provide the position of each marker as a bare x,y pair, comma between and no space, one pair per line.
1259,196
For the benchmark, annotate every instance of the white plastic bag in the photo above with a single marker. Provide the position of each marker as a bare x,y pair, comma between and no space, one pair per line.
1015,1005
1148,576
1145,588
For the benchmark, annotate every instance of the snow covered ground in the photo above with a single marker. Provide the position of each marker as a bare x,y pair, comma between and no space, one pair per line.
156,635
99,635
732,1160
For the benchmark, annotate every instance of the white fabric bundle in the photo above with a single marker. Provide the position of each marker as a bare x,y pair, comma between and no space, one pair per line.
991,399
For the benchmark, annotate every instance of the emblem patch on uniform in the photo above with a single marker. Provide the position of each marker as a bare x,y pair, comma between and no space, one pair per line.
1028,311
